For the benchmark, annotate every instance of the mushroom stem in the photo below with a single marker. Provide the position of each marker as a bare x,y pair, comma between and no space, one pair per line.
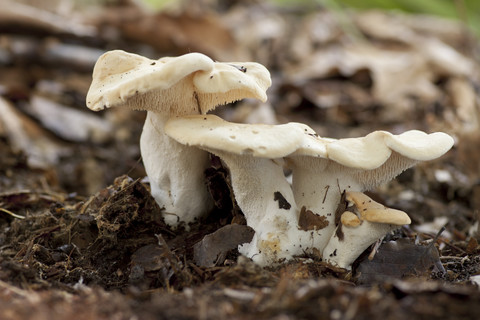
357,229
176,173
318,185
342,252
266,199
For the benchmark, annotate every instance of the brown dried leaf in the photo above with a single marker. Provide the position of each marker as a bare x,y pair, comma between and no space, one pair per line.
398,259
214,247
472,246
153,261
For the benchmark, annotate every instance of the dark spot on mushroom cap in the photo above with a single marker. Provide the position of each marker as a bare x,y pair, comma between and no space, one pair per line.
240,68
153,63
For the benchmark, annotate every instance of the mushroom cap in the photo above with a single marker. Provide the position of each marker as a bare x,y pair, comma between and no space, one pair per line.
314,146
418,145
191,83
373,150
376,158
232,81
350,219
373,211
119,76
367,152
260,140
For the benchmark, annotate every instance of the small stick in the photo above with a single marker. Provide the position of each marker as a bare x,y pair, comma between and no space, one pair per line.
326,191
12,214
375,249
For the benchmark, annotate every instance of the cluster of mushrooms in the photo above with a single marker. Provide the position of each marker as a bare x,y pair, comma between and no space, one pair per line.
323,210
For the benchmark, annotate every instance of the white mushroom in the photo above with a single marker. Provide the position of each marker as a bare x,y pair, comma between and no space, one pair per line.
324,168
364,222
253,154
189,84
289,222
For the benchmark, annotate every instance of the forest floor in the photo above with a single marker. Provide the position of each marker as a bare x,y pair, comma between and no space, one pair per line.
82,238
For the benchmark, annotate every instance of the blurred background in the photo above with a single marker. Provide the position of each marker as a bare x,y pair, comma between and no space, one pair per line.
345,68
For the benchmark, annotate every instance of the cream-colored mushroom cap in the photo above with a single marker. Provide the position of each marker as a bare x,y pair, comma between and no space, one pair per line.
373,150
350,219
379,156
373,211
259,140
232,81
189,84
418,145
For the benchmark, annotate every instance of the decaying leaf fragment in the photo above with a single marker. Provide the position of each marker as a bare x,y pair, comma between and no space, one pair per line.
154,262
399,259
214,247
41,148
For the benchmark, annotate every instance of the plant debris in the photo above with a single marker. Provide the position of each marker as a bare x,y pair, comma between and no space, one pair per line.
83,238
214,247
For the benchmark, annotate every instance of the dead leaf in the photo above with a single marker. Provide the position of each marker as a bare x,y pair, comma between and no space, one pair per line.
16,14
214,247
179,33
398,259
70,124
42,149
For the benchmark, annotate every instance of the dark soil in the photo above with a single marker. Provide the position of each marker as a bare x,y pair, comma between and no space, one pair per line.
82,238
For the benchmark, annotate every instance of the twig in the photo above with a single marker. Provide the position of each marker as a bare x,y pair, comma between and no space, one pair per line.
12,214
451,258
